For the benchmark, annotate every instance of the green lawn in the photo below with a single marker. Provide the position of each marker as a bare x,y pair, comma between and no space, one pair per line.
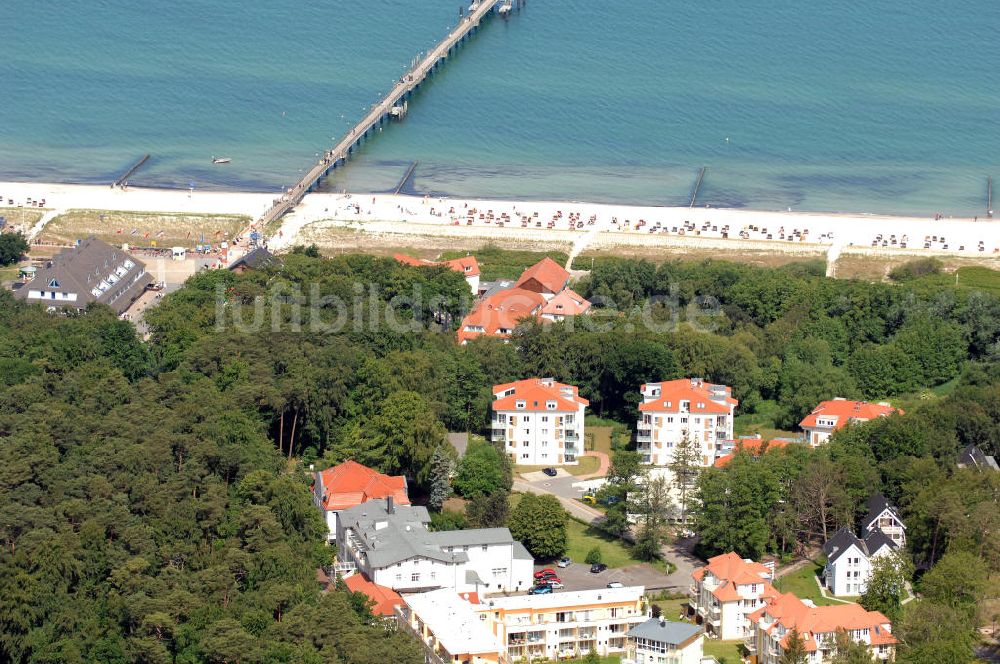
762,421
599,438
803,584
581,538
727,652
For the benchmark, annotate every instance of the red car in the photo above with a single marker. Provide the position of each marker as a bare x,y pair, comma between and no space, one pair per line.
548,571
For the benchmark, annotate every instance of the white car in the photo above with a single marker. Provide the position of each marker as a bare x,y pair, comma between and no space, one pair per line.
616,584
555,585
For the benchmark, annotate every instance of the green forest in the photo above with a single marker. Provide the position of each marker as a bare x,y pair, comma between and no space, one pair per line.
155,495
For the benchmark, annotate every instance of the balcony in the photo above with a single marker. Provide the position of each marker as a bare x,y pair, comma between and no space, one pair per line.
750,643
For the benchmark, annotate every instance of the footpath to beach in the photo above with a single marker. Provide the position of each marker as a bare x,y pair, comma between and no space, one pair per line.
572,226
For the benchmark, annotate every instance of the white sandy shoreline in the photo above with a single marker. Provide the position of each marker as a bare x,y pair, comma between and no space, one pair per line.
593,224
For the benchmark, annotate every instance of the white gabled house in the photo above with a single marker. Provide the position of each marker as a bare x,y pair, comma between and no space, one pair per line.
883,516
849,560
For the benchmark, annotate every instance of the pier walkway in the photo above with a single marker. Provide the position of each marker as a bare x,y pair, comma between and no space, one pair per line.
380,112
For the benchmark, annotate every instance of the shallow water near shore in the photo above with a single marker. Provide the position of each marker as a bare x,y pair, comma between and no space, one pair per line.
826,106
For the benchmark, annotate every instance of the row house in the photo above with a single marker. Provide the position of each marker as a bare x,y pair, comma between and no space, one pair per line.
818,627
688,408
831,416
726,591
538,421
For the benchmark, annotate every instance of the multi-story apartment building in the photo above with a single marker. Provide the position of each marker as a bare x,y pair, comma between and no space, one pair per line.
565,624
818,626
831,416
686,408
392,546
449,629
524,627
726,591
660,641
538,421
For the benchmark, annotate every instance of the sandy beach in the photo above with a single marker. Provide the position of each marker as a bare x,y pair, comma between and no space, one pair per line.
593,225
576,224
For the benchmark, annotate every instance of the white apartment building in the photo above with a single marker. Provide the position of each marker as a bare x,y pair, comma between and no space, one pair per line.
726,591
817,625
565,624
659,641
538,421
849,560
686,408
392,546
831,416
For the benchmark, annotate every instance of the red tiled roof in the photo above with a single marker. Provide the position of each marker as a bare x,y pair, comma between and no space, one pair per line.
566,303
791,612
386,599
685,389
844,411
351,484
730,567
467,265
751,446
501,311
545,276
535,392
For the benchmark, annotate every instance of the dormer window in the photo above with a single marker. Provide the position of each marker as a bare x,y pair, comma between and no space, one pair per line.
53,283
550,405
520,405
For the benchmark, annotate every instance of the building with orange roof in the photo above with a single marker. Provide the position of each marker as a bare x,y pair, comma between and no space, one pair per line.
546,277
831,416
498,314
685,408
753,446
818,626
385,600
538,421
349,484
726,591
565,303
467,266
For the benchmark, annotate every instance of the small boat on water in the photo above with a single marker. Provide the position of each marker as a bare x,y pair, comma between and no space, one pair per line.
221,160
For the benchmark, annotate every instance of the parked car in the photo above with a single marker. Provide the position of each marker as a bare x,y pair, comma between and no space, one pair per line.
597,568
541,590
551,472
590,499
565,561
616,584
555,584
547,578
543,572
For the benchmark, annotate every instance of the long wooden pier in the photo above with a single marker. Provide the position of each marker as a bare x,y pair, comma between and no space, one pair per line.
382,111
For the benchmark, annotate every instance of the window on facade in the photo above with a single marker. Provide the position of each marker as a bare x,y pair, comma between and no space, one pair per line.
415,577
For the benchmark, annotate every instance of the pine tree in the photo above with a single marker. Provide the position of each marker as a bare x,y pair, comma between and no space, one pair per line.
794,651
442,467
684,468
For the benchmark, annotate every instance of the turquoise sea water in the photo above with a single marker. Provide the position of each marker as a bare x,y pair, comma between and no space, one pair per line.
841,105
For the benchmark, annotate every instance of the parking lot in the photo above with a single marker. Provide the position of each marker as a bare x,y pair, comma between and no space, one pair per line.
578,577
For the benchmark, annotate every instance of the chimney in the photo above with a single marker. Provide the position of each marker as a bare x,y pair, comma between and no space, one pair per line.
389,508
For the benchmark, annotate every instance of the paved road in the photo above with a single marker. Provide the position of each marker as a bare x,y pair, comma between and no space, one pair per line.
679,554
